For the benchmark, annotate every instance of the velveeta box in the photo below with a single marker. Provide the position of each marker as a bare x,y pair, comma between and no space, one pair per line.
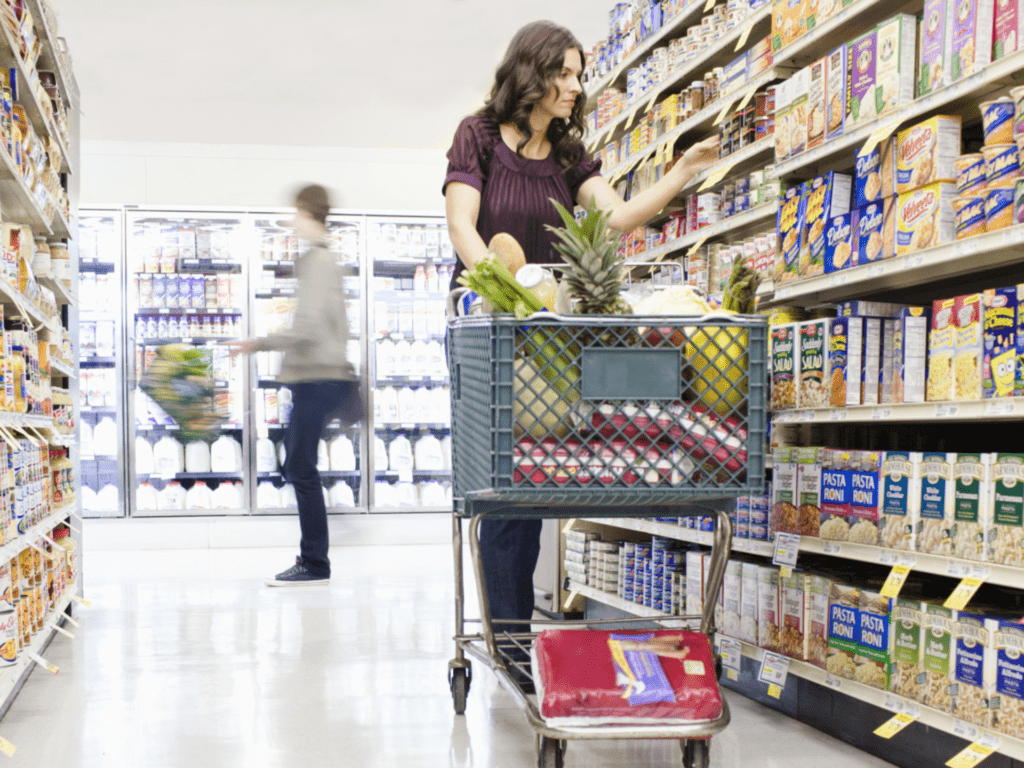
790,231
925,218
971,24
1007,28
828,197
875,173
927,152
840,242
835,93
894,63
934,46
999,366
789,21
861,58
816,105
968,351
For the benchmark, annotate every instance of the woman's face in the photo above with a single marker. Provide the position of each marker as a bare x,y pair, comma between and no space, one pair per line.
564,87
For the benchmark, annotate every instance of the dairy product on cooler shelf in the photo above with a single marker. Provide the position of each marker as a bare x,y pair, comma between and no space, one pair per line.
144,464
172,497
146,497
341,495
105,437
446,451
428,453
85,441
168,457
226,455
266,456
267,496
197,456
227,495
342,454
108,498
407,411
384,494
400,457
89,499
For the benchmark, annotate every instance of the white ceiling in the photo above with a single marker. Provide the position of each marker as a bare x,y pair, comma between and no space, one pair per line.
343,73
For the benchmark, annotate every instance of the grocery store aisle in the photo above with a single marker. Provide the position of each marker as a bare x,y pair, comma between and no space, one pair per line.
186,659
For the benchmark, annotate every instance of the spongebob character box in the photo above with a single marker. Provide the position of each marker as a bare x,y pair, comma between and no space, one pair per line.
999,366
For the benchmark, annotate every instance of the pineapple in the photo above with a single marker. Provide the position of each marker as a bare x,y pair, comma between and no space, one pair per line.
591,253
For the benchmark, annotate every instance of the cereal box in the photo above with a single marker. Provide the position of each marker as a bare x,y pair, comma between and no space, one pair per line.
829,196
835,92
870,371
785,366
784,516
999,367
941,342
694,582
894,63
790,230
873,656
1007,28
899,493
972,484
845,345
812,340
974,666
935,47
875,173
972,37
816,105
1007,540
789,21
808,489
936,504
835,495
843,630
1008,641
907,648
795,599
869,233
861,55
927,153
910,345
938,657
925,218
817,628
768,607
840,241
863,519
968,355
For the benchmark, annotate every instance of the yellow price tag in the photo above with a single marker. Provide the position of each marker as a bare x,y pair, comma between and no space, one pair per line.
76,530
63,631
650,104
696,246
725,111
43,662
262,431
709,5
81,601
716,176
963,593
746,99
894,583
775,691
894,725
743,38
667,152
732,674
970,756
880,135
785,571
568,525
6,747
570,598
632,114
72,621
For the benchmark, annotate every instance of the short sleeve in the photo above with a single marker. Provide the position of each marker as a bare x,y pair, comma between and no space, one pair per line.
470,153
585,169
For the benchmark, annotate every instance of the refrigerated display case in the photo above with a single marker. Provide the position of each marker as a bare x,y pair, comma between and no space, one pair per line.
412,262
101,359
186,284
273,290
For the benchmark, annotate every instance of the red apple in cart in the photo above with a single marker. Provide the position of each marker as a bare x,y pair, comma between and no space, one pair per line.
627,420
701,433
656,337
667,466
614,462
548,462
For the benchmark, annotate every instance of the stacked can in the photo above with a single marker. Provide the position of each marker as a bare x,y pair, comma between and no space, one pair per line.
759,506
575,561
627,571
642,574
674,564
602,565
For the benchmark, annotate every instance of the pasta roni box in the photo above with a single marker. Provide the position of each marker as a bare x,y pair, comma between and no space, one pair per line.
910,355
899,495
999,367
840,242
808,488
790,229
843,630
863,519
817,642
768,612
907,648
874,655
828,197
941,342
1009,645
835,495
968,355
784,499
972,486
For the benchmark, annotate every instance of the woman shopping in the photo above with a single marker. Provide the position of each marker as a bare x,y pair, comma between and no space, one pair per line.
507,162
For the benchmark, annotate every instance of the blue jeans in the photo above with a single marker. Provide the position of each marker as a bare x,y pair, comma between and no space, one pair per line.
314,404
509,550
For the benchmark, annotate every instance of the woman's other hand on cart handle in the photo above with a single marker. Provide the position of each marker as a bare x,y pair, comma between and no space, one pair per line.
661,646
626,216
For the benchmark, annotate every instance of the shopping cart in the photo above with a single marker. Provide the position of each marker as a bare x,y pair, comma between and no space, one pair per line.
599,416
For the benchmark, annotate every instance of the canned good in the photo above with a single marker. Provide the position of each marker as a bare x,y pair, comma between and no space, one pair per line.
746,136
997,117
761,128
999,202
969,211
761,104
728,191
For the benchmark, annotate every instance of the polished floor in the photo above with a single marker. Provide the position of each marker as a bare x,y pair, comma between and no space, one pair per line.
185,660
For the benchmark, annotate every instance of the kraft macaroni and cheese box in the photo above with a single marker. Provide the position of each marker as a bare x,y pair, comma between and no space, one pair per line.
927,152
968,355
1018,385
925,217
971,22
835,92
910,355
829,196
935,47
790,229
861,57
999,367
875,173
1007,28
894,63
840,242
941,343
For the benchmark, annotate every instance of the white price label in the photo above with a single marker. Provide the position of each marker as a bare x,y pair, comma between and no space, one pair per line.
876,271
957,569
965,248
912,709
783,293
787,549
913,262
881,413
981,572
53,670
785,417
806,415
908,560
892,703
732,654
990,740
999,408
774,669
838,278
965,730
1013,235
833,681
838,414
887,557
946,411
832,548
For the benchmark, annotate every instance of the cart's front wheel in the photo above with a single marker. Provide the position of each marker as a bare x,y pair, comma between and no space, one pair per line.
459,683
696,753
551,753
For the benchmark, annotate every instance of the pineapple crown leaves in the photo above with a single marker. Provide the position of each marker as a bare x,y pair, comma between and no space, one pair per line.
593,231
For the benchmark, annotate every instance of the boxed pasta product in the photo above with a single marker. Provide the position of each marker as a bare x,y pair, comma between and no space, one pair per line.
732,586
968,354
816,105
972,484
999,366
927,152
1007,28
790,230
768,607
800,85
835,495
934,533
835,92
894,63
1018,384
1009,644
899,496
888,358
694,582
748,603
845,349
907,650
1007,538
784,516
972,37
910,354
785,366
817,627
974,666
789,21
870,219
864,501
808,488
871,373
840,243
843,630
796,607
938,657
925,217
941,344
862,58
783,111
812,338
874,654
934,47
828,196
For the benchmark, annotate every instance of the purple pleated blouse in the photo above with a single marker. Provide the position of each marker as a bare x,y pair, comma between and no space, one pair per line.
515,192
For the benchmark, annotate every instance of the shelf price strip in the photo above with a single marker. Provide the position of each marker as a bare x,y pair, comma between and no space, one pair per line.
732,657
53,670
774,669
787,548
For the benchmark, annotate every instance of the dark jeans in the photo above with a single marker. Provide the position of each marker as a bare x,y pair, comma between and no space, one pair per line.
314,404
509,550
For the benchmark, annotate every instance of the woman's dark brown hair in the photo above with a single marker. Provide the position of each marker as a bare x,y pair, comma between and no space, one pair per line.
315,201
534,58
